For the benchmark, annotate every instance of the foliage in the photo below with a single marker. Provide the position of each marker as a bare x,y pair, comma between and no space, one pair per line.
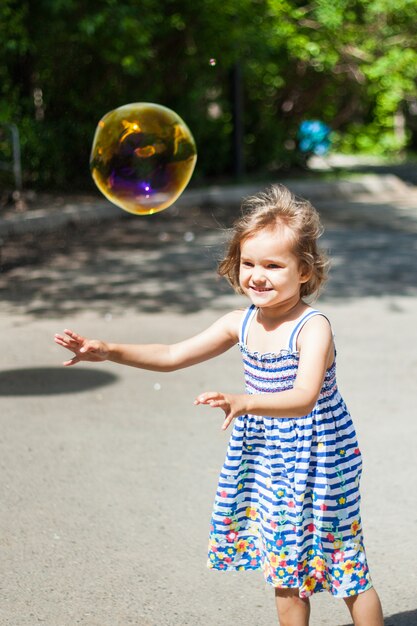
64,63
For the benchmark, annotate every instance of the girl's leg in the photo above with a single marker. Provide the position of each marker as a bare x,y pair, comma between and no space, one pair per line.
292,610
365,609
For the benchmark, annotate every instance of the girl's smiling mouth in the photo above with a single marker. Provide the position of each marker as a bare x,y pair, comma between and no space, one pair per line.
260,289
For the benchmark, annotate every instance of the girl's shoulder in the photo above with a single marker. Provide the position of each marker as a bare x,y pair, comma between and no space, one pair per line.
312,320
238,316
231,322
313,329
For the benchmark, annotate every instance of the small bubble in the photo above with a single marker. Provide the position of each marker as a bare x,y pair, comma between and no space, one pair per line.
157,386
212,62
189,236
108,317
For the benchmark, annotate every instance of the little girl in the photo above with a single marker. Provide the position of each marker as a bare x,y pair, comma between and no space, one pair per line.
288,495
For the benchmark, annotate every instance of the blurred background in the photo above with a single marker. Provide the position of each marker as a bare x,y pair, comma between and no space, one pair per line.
243,75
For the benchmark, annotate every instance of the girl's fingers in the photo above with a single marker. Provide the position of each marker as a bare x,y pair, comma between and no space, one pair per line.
73,335
71,341
217,400
219,404
62,342
72,361
226,423
60,338
83,349
207,397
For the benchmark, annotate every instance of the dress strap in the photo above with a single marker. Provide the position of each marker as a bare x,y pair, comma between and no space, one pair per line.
292,343
247,317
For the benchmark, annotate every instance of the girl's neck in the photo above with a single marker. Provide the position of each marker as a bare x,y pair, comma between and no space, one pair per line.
287,311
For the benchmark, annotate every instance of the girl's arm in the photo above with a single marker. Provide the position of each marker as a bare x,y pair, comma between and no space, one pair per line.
218,338
316,350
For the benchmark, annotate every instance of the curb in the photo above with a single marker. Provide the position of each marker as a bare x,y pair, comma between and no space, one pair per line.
47,220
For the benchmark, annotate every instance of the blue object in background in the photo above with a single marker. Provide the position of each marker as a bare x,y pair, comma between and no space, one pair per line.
314,137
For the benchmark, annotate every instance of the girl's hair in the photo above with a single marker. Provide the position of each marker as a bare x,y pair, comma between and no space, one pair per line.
277,206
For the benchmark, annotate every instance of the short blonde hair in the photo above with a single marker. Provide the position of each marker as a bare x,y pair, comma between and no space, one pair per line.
277,206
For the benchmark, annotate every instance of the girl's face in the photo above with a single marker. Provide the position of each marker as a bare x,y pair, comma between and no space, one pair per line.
269,272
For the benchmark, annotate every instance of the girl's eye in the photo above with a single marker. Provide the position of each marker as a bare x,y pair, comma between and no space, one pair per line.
273,266
247,264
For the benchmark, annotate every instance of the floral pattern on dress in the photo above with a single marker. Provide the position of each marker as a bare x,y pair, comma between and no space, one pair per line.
339,567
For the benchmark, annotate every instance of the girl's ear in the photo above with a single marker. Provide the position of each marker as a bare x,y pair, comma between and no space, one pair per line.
305,272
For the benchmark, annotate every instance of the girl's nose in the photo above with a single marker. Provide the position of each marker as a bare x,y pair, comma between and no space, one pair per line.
258,275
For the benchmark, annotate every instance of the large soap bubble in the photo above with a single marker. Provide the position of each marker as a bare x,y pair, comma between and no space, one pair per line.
143,156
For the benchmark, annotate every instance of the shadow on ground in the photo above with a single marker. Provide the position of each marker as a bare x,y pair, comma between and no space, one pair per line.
167,262
407,618
41,381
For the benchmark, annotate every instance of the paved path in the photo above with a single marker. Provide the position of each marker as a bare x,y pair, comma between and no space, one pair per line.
108,474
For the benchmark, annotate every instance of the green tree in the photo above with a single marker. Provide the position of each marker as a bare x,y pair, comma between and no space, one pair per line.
64,63
350,63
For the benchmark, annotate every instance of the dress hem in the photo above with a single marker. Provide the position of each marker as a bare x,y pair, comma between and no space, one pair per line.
308,594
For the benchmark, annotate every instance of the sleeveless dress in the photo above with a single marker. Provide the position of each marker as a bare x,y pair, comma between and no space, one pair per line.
288,499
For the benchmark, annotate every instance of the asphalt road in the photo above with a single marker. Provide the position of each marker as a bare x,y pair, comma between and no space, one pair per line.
107,474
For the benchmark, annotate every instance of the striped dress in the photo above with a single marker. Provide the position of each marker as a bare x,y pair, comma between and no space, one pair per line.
288,495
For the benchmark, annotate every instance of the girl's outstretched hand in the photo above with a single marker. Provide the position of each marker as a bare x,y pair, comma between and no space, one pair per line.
84,349
230,403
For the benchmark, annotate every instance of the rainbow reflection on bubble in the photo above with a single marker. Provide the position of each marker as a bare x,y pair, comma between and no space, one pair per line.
142,158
